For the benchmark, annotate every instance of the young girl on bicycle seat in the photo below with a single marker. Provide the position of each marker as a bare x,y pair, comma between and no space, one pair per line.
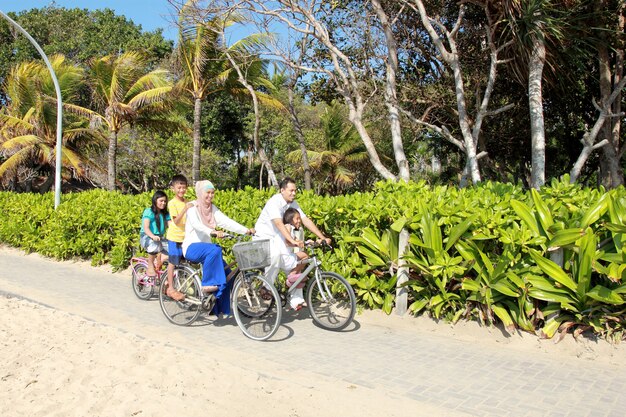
153,224
293,223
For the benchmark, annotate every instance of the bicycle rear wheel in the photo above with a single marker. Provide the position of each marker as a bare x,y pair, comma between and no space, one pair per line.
331,301
256,306
185,312
141,286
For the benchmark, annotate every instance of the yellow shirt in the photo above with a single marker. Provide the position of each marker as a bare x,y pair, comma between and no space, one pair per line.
176,233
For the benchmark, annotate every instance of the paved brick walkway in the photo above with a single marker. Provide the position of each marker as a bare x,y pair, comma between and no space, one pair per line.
459,378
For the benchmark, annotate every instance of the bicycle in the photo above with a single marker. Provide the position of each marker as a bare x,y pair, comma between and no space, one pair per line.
254,299
255,302
330,297
188,280
144,285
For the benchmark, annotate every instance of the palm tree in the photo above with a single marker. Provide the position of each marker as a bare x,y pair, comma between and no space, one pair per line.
203,71
337,165
125,94
208,66
28,123
538,28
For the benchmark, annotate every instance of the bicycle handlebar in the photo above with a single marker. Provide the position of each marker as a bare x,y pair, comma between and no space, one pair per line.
310,244
313,244
230,236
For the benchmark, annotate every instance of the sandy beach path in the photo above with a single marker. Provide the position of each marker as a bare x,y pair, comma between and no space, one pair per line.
76,341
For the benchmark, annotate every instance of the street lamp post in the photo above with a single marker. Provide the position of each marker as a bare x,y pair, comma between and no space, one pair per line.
57,175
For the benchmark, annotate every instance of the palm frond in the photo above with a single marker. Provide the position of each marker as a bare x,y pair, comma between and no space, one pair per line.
357,157
14,161
21,86
154,79
71,158
149,97
21,142
264,82
81,111
252,44
269,101
265,99
11,122
343,175
90,135
69,76
101,77
127,69
45,153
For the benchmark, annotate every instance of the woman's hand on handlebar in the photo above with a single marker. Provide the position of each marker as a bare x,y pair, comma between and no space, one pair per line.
218,234
251,231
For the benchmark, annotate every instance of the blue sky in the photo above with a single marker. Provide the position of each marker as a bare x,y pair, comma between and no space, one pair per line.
150,14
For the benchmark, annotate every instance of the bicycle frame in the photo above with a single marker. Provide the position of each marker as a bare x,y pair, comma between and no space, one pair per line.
313,264
139,260
194,276
197,276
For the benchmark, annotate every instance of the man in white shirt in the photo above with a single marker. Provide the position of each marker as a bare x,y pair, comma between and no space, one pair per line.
270,226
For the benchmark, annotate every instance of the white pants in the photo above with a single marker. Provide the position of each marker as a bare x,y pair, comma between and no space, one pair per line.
282,258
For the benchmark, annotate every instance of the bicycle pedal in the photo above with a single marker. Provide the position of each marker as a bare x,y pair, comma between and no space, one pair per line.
209,302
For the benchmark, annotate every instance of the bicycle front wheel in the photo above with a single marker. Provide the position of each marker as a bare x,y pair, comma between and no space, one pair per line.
185,312
142,287
256,306
331,301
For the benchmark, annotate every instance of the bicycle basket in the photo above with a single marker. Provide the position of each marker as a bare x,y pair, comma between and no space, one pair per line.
252,255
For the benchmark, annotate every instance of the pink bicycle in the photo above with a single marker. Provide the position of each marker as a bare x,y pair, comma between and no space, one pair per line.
145,286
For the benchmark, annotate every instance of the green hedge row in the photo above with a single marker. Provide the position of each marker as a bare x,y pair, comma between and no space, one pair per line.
549,261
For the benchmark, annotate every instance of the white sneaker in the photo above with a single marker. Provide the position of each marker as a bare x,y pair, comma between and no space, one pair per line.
296,300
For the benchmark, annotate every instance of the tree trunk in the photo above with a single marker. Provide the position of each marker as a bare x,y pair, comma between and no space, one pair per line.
585,153
250,153
535,101
307,19
112,159
403,274
451,57
471,163
257,122
195,163
435,165
589,138
261,176
611,173
297,127
271,176
356,118
391,96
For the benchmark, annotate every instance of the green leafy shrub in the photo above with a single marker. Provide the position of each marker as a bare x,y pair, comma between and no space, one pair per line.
549,261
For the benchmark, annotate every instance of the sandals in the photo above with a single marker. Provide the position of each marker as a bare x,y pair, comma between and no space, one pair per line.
174,295
209,302
148,280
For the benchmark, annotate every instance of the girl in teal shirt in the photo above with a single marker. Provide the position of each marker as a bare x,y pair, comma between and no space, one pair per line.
151,236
